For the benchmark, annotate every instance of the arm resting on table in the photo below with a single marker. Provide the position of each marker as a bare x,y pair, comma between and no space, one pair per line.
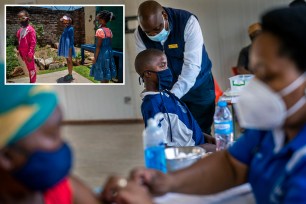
212,174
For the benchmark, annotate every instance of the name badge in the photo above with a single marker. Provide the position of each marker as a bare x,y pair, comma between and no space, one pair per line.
173,46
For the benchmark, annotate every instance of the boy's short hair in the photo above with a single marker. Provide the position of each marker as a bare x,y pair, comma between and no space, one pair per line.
145,59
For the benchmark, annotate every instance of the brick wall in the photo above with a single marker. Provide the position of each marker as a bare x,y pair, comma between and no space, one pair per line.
50,19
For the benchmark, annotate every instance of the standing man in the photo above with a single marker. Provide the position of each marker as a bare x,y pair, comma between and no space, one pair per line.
178,34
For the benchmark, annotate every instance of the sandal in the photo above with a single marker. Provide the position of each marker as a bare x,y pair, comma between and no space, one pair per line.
68,77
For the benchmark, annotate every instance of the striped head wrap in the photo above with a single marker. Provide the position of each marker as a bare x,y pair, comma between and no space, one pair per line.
23,109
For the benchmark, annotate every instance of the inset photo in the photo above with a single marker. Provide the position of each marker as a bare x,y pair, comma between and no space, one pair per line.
64,44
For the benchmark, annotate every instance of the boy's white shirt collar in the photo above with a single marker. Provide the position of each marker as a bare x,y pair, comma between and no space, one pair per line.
145,93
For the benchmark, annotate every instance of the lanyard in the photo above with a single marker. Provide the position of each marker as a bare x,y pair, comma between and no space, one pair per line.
167,112
161,96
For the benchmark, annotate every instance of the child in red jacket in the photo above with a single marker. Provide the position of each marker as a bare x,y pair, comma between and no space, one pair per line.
26,43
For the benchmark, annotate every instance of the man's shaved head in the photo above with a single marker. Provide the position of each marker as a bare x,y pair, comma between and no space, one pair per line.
151,16
149,8
146,59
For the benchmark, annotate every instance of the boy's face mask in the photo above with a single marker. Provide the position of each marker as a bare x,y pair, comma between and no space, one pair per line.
45,169
24,21
165,79
259,107
66,23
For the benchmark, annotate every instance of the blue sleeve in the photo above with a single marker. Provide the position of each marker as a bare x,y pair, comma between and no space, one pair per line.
243,149
295,192
71,36
148,110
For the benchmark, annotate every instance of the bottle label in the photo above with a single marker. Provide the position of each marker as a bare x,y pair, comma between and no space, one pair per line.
224,127
155,158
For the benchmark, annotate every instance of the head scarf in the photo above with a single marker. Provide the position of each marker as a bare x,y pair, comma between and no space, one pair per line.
23,109
65,18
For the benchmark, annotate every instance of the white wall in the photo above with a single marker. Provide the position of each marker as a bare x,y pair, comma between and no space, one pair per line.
224,24
89,25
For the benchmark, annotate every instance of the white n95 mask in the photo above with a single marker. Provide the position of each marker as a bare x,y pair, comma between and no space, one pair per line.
259,107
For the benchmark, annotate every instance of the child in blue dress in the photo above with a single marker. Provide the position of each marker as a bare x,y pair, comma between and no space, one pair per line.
104,68
66,45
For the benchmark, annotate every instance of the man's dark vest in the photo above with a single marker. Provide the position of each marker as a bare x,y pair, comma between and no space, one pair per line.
174,46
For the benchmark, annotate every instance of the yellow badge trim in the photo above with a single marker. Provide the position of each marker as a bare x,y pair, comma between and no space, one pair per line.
173,46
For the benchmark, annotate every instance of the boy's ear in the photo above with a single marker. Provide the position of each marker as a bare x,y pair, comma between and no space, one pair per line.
147,74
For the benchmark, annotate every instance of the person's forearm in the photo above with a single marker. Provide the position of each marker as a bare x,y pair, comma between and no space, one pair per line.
210,175
186,80
97,52
32,45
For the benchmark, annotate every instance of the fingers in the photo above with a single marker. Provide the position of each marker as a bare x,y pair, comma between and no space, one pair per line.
120,191
142,175
133,194
155,181
111,189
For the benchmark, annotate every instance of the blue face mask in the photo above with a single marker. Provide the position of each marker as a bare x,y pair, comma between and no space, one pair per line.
162,36
45,169
24,23
165,79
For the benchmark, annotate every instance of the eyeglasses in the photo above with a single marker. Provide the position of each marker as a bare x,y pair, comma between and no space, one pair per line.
140,80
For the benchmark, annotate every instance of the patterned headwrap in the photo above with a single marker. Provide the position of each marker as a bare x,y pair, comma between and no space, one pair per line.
23,109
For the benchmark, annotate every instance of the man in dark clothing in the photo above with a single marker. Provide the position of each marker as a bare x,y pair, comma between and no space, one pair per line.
178,34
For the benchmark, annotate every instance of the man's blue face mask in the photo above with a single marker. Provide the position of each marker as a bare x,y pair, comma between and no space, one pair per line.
45,169
162,36
165,79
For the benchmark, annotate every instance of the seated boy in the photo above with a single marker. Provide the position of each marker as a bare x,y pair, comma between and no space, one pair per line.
178,124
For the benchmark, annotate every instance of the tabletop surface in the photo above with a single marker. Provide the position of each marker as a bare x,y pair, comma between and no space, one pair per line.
236,195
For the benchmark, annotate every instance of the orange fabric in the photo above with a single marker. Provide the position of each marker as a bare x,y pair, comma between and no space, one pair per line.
59,194
101,33
218,91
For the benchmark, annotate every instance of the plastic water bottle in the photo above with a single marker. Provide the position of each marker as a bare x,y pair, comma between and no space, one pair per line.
223,126
154,148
